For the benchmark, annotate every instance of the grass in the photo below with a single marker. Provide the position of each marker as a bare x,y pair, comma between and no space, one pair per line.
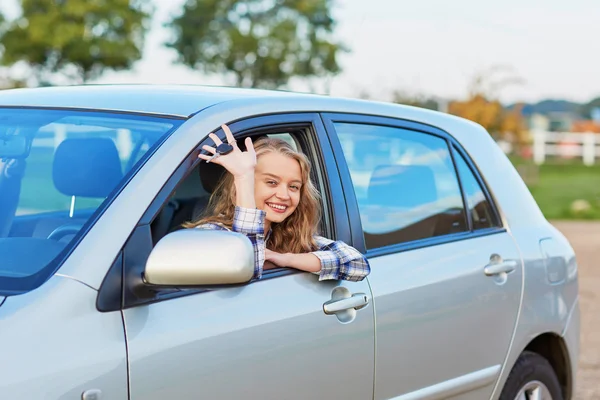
564,189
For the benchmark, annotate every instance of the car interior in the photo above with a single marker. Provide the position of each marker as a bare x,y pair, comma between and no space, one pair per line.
82,168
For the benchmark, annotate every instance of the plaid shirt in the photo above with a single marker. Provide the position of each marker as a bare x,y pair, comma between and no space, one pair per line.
338,260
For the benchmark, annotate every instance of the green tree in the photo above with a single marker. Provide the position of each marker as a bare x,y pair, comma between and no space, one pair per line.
6,81
586,109
483,105
415,100
262,42
76,38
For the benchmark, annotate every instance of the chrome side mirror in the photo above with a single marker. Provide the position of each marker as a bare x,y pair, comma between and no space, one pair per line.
200,257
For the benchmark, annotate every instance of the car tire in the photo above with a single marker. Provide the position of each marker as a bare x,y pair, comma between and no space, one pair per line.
531,372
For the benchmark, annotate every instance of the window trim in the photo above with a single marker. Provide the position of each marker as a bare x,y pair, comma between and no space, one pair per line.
313,141
463,193
498,220
330,119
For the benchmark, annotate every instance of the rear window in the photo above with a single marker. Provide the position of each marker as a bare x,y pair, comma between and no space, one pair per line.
58,168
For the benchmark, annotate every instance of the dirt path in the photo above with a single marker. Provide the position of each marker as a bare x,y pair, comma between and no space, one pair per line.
585,238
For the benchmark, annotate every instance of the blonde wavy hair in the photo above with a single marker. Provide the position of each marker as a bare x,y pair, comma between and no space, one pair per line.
296,233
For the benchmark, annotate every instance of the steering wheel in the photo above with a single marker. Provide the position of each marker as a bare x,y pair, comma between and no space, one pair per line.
64,230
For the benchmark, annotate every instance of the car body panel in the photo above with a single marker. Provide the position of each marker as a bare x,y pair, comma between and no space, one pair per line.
546,306
172,100
271,339
571,338
440,318
56,345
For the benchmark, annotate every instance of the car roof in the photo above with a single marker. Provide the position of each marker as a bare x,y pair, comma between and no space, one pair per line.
173,100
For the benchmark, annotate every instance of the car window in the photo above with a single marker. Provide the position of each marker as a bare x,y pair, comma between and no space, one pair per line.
482,214
57,167
405,183
189,202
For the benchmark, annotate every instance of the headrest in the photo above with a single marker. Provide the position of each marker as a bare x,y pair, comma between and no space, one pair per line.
86,167
210,175
402,186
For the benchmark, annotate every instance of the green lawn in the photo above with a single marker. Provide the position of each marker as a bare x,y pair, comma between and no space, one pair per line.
558,184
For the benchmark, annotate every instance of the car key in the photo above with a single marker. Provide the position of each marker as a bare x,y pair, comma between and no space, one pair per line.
221,150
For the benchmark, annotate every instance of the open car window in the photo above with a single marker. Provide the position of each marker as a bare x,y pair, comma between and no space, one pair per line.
57,169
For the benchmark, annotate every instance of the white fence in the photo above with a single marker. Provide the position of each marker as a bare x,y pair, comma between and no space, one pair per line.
566,145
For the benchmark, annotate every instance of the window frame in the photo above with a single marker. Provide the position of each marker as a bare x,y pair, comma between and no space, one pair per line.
497,219
122,287
358,241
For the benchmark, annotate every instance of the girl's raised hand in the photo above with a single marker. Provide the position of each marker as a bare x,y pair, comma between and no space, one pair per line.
238,163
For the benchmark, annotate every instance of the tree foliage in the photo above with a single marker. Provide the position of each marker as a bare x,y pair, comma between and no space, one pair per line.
401,97
483,107
77,38
262,42
477,108
586,109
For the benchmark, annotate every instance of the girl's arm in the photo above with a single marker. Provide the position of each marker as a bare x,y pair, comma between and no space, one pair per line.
334,260
247,219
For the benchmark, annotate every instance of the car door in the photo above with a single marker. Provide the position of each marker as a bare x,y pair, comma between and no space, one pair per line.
446,276
269,339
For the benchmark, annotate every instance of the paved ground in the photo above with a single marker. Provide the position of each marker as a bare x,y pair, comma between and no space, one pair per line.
585,238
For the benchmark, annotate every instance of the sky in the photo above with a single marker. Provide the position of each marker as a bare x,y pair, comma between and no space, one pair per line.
429,47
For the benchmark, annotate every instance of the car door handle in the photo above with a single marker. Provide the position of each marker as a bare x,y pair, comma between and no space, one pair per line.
498,268
356,301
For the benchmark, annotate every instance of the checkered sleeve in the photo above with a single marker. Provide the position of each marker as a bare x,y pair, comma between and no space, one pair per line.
250,222
211,225
340,261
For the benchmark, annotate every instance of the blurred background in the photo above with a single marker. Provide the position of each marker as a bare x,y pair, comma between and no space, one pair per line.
527,70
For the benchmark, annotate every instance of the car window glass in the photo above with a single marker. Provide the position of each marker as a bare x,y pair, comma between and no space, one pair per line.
57,168
405,183
40,193
480,208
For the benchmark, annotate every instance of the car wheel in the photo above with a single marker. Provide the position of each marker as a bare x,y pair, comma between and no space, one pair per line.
531,378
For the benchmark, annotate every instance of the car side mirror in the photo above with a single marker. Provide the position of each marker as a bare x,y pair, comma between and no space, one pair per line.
200,258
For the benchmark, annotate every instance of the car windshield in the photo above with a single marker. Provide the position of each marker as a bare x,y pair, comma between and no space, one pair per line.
58,168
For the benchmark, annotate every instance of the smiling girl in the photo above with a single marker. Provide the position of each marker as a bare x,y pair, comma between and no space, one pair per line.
267,195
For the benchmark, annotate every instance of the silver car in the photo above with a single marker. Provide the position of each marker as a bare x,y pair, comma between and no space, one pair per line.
472,294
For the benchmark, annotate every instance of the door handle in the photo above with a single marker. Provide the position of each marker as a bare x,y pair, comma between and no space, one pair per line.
356,301
498,268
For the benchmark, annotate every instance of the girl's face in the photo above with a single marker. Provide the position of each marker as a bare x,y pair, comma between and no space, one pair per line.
277,183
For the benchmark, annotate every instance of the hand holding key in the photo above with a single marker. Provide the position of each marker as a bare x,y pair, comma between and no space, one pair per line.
228,155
